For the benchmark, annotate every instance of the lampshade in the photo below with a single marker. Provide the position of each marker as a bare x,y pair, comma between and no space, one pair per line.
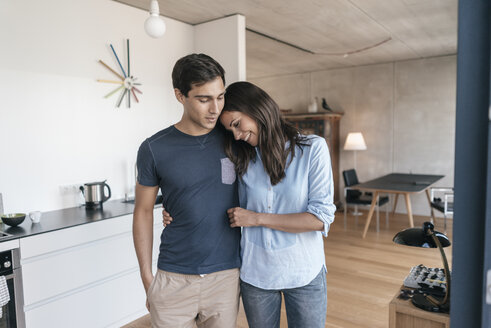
427,237
418,237
355,141
154,25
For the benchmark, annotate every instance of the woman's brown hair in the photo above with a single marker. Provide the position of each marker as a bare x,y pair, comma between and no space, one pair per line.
273,131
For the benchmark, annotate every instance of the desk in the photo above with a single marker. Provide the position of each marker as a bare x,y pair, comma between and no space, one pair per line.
398,183
403,314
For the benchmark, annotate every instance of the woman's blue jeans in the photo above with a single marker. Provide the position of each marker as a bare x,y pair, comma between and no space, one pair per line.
306,306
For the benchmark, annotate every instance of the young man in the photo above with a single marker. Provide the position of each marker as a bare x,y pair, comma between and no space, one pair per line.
197,279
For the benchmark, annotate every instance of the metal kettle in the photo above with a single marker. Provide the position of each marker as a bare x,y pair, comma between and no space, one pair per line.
94,194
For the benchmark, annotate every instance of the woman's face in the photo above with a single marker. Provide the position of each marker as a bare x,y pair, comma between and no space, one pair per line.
241,125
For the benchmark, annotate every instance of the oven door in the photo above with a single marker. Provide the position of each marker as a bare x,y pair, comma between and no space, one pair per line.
9,318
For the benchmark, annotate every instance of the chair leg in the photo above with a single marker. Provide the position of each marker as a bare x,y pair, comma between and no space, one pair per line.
387,215
395,204
356,215
378,216
345,209
432,213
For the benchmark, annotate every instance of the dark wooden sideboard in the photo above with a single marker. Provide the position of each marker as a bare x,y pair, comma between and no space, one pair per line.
325,125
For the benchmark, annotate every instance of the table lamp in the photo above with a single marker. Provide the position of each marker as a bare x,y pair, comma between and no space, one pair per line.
354,141
427,237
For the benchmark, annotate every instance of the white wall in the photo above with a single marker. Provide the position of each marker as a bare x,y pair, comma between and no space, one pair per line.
224,40
405,110
56,127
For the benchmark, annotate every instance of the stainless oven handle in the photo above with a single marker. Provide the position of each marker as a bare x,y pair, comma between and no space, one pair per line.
19,298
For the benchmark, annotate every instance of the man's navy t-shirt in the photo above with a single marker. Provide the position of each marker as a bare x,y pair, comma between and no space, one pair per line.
198,184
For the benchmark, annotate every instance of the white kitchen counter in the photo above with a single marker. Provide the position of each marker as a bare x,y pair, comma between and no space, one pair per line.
79,268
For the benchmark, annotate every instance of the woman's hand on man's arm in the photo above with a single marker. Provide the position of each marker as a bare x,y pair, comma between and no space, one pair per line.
239,217
294,222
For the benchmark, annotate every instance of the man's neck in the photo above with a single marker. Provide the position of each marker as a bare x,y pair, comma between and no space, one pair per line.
191,129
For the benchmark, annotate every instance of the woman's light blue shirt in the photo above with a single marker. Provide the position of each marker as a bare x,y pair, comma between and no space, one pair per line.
273,259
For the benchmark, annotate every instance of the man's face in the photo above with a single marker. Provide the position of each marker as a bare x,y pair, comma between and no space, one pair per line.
202,106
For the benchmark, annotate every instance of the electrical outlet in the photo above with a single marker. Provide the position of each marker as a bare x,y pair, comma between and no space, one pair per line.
70,189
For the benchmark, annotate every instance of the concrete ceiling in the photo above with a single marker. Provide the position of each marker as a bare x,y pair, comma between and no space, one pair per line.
316,35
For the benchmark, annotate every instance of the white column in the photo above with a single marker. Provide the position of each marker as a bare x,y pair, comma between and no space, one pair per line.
224,40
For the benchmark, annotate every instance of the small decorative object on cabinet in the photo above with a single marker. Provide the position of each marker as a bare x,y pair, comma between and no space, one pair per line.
313,106
127,82
325,125
326,106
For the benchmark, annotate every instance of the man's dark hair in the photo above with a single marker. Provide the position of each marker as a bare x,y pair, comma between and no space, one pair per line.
195,69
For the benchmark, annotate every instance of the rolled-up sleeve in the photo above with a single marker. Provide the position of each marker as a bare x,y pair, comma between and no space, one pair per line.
321,185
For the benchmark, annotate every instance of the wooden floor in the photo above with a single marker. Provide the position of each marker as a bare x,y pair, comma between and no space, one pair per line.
363,274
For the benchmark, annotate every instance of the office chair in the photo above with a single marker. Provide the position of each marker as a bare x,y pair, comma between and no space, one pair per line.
444,205
355,197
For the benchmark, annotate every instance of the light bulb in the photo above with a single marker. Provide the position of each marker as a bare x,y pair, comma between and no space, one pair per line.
154,25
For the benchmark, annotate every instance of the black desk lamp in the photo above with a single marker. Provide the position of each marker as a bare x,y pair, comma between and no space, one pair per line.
427,237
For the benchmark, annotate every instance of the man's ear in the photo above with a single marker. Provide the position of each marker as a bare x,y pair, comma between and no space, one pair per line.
179,96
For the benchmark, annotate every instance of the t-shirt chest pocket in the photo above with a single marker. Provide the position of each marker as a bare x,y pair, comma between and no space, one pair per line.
228,171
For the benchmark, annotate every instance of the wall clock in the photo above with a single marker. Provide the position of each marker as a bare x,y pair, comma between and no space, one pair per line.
127,82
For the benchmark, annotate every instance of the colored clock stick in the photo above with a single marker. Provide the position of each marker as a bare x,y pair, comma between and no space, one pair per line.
129,98
137,90
110,81
134,95
121,97
117,58
109,68
137,84
114,91
128,50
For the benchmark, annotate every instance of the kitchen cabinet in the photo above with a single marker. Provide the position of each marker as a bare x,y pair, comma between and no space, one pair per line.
84,276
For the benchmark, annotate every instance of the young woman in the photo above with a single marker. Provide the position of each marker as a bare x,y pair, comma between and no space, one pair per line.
286,206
